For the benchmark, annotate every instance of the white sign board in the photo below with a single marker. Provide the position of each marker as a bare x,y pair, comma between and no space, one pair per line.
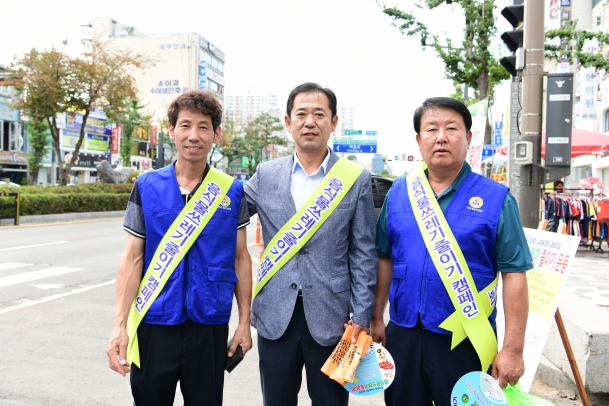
588,93
552,257
478,111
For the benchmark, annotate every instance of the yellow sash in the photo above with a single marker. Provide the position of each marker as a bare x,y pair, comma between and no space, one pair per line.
301,227
473,308
173,247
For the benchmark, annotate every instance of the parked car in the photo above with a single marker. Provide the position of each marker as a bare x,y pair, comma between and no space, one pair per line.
380,187
3,183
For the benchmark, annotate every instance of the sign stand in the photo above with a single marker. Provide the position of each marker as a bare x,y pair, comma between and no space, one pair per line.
563,334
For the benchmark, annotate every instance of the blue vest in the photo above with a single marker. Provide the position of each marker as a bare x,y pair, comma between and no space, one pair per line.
416,288
202,285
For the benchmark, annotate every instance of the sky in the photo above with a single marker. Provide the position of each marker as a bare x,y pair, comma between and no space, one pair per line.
271,46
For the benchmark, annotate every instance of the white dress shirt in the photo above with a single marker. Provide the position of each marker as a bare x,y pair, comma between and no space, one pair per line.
302,185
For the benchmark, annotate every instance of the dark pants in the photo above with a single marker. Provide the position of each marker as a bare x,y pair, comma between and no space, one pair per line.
281,363
191,353
426,369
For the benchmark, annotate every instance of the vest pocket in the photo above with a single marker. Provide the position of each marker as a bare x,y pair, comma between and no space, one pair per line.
399,274
219,292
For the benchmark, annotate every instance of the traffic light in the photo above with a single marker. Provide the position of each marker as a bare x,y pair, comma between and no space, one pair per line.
514,39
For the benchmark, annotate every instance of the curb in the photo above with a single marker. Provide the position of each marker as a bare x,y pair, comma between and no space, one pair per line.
63,218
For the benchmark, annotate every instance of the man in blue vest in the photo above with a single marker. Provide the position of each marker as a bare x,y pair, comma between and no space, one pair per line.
183,335
483,217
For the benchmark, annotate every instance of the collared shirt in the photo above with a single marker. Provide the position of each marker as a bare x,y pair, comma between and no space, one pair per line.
302,185
510,236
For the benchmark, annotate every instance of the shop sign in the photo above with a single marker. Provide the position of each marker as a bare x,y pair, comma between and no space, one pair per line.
6,111
115,138
13,158
96,142
154,134
95,125
84,160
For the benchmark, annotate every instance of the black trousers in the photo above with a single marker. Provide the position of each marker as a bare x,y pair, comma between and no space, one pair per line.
281,363
191,353
426,369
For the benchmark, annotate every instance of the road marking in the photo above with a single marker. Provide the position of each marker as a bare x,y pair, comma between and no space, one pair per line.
32,276
13,265
31,246
49,286
58,296
255,260
251,244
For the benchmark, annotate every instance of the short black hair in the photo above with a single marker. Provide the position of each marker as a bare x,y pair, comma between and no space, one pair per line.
311,87
196,101
443,103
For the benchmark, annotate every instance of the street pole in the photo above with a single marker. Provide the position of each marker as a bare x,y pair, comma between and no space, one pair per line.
532,103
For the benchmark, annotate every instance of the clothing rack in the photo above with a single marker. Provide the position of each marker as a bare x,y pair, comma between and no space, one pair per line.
579,210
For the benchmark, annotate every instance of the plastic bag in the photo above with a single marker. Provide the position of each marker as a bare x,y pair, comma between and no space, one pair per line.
518,397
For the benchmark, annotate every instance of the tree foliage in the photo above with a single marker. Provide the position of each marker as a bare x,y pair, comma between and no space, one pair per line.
255,141
470,62
53,82
231,144
132,119
37,131
579,46
259,139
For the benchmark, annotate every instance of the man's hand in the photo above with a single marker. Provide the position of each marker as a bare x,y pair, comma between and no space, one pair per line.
118,347
508,367
356,330
242,337
377,328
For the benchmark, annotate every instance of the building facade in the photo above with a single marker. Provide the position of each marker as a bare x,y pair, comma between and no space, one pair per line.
183,62
13,159
591,90
246,107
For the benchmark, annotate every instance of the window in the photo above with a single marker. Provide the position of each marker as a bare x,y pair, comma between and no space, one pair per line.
384,185
606,120
4,89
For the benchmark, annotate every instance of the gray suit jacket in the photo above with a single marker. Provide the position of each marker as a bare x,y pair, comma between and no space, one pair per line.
337,268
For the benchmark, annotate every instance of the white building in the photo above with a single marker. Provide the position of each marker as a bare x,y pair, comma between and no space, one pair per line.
184,61
591,92
346,120
245,107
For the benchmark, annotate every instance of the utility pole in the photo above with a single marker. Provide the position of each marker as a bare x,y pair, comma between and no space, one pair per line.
532,102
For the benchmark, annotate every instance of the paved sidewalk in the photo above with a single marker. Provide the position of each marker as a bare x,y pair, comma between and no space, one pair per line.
589,277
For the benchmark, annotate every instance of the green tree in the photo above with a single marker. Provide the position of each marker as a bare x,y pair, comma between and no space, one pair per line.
52,82
470,62
132,120
260,138
44,78
574,43
37,131
231,144
352,158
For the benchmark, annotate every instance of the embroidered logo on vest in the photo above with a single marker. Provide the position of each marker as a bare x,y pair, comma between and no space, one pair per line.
225,204
475,203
